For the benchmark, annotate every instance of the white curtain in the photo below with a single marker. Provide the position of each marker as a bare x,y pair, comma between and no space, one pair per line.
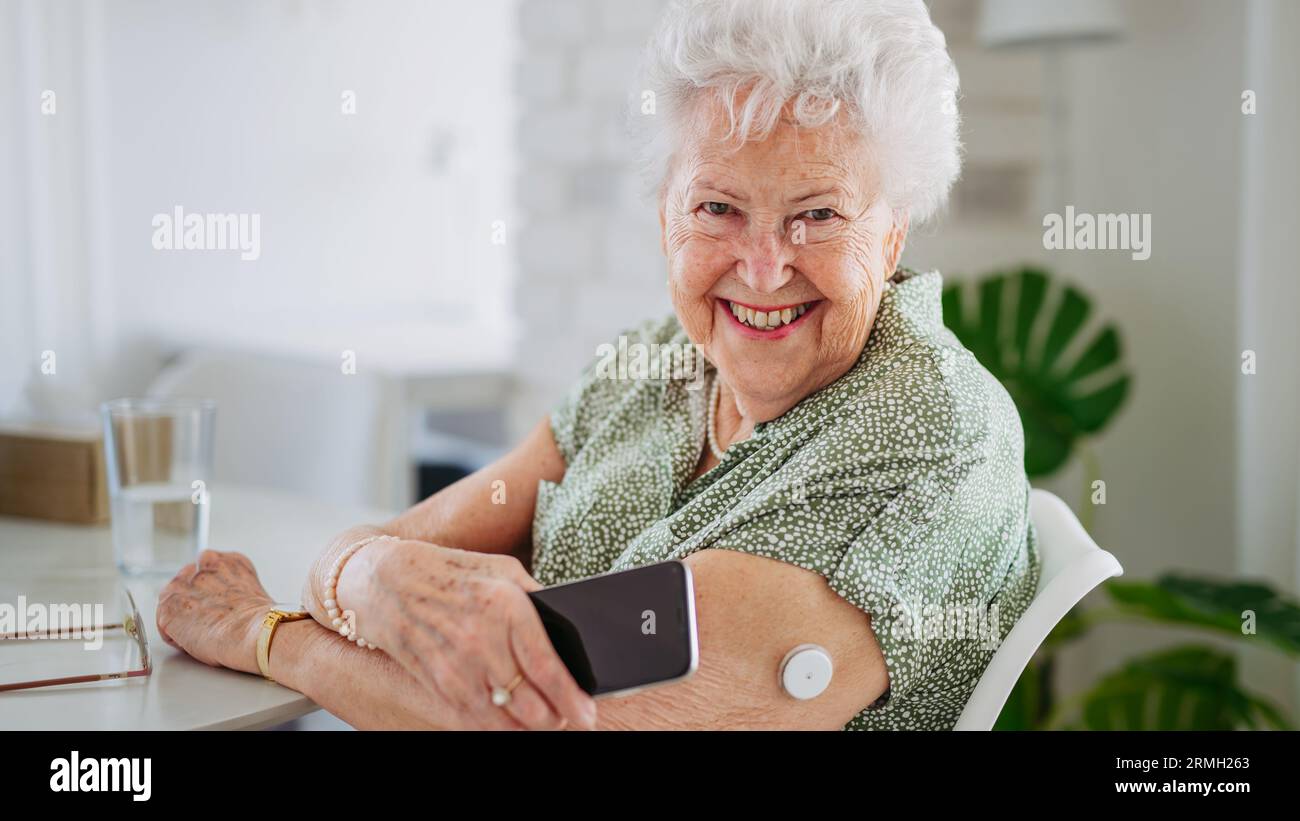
54,295
1268,469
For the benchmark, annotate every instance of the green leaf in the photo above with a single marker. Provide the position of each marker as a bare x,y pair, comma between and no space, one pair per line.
1092,412
1059,400
1069,628
1185,688
1100,354
1023,708
1033,291
1217,604
990,322
1070,316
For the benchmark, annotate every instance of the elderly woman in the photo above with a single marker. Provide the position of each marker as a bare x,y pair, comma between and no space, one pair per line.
851,476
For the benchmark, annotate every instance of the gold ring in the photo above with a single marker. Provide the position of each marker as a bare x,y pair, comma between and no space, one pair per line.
501,695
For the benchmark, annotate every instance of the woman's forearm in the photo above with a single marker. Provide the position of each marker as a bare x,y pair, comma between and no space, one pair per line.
315,589
365,688
490,511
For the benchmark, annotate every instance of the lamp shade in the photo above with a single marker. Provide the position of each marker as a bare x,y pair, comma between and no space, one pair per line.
1036,22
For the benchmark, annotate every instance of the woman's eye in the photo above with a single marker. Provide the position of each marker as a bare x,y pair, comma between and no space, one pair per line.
717,209
820,214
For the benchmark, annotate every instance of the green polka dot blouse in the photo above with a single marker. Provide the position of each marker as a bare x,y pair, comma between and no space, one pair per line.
902,483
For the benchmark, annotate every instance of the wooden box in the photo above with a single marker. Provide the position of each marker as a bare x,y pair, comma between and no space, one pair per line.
55,473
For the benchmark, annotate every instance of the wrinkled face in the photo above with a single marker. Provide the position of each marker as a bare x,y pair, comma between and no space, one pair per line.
777,253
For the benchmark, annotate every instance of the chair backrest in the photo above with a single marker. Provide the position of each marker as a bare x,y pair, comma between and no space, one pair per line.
304,427
1072,565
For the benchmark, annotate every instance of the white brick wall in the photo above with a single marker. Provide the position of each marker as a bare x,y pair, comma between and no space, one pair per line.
554,23
588,258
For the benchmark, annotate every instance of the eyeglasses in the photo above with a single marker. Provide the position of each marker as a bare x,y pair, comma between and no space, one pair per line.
131,624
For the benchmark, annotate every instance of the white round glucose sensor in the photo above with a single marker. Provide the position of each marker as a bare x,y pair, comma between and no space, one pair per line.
806,671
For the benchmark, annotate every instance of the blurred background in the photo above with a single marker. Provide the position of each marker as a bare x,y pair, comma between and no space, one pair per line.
447,202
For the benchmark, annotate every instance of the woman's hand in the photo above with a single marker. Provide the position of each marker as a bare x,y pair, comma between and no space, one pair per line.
213,610
462,623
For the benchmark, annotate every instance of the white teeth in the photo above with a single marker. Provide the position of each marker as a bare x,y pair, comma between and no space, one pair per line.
767,319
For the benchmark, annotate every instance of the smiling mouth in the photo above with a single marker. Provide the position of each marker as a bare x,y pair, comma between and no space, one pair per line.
770,319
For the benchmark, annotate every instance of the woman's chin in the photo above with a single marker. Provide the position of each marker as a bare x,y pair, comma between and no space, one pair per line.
770,379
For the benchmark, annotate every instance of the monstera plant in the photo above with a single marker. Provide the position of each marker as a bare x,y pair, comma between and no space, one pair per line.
1012,332
1068,385
1188,687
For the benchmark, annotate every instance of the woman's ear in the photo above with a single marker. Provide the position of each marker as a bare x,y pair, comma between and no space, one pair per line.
896,242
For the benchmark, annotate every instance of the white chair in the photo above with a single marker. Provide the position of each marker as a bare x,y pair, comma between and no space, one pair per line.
304,427
1072,565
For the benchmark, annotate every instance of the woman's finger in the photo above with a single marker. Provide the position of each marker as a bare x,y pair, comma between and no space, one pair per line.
541,665
209,559
483,714
531,710
459,689
162,631
526,705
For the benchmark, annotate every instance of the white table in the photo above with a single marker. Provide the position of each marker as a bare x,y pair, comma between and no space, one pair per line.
48,562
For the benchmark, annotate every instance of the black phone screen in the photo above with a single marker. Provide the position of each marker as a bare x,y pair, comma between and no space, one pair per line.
623,630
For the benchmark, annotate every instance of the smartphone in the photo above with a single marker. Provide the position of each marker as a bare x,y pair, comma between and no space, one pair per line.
623,632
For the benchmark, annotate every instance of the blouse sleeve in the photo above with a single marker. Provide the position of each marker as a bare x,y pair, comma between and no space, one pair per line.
600,388
571,419
900,528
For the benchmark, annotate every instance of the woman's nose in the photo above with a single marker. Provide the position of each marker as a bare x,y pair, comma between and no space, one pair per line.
764,261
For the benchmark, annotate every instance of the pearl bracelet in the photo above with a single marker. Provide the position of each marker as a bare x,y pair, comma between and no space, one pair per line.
345,621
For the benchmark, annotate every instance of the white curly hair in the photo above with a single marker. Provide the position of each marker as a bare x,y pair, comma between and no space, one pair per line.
882,61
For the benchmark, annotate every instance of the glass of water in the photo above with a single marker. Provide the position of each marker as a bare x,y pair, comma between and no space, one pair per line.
159,458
